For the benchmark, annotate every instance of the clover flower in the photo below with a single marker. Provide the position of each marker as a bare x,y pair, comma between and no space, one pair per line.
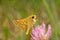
40,32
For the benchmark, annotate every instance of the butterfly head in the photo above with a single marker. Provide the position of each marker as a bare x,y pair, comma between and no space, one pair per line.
33,17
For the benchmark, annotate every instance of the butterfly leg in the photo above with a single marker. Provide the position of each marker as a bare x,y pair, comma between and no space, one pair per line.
27,31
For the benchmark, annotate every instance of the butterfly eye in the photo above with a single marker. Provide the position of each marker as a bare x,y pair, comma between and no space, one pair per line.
32,17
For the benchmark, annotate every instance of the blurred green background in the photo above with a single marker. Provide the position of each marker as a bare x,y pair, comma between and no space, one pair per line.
45,10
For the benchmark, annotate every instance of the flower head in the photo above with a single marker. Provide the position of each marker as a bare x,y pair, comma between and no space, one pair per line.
40,33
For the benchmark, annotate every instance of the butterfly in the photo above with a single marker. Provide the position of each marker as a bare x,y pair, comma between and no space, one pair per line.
26,23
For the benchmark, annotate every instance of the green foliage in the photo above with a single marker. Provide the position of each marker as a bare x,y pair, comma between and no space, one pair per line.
14,9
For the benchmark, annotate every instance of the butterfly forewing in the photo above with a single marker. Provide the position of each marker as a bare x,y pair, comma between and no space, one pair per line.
26,23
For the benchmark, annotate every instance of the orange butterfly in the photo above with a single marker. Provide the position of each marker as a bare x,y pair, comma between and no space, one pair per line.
26,23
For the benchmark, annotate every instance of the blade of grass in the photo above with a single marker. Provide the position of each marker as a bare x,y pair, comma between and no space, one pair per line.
5,28
52,19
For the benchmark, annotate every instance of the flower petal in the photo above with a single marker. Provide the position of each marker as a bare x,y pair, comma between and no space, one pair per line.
48,34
